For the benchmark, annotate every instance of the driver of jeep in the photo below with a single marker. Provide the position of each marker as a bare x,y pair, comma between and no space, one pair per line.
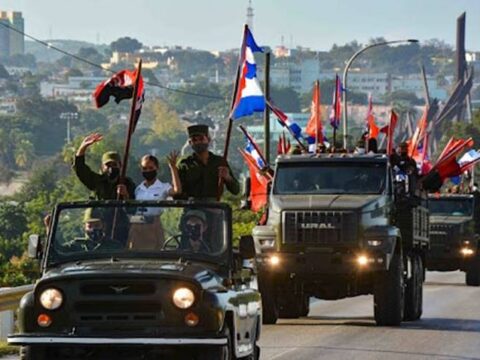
194,230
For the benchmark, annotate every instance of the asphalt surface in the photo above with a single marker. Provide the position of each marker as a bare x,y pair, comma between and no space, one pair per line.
344,329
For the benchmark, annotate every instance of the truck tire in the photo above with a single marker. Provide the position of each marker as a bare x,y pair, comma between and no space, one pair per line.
269,303
30,352
305,306
414,291
389,294
292,305
472,276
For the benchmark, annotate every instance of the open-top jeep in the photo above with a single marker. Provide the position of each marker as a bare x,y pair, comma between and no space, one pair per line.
342,225
138,280
455,235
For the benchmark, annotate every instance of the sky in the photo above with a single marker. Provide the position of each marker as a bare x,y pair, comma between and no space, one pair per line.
217,24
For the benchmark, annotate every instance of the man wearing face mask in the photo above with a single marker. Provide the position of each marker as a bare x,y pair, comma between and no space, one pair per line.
201,172
106,185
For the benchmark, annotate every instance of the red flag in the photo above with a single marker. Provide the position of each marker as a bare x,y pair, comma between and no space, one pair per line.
258,184
373,129
120,86
449,169
418,134
389,131
314,126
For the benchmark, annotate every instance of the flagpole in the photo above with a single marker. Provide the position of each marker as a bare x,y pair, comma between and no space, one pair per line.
249,137
335,115
317,114
131,124
266,113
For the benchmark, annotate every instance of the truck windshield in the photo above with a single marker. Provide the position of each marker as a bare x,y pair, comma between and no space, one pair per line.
451,207
138,231
330,178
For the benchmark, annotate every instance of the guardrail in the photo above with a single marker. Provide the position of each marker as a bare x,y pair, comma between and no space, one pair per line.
10,297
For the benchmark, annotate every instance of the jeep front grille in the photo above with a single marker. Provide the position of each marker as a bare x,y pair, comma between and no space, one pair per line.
319,227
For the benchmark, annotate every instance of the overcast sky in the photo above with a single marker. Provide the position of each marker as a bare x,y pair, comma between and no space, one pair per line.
217,24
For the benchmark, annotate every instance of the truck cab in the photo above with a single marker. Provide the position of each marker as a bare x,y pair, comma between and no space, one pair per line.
455,235
341,225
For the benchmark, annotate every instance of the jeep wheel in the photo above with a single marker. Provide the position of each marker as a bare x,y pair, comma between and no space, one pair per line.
472,277
414,291
218,352
388,294
33,353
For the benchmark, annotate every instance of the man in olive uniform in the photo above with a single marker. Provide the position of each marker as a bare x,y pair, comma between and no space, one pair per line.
201,172
106,185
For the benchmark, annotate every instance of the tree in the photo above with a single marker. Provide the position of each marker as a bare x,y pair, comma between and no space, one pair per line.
126,44
24,153
13,220
287,98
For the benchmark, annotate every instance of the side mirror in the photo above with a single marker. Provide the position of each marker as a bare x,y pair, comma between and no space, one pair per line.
33,245
247,247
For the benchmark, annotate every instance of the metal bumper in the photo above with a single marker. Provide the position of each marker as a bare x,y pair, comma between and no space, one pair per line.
29,339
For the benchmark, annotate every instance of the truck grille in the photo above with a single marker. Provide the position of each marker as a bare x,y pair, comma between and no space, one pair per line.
319,227
441,234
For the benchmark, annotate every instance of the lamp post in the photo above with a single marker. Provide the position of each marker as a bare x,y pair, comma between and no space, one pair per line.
345,73
69,116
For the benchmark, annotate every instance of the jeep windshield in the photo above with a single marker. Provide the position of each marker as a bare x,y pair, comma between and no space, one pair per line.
330,178
138,230
451,207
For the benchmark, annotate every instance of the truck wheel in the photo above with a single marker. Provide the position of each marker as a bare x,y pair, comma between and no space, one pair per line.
292,305
269,302
414,291
305,306
472,277
389,293
30,352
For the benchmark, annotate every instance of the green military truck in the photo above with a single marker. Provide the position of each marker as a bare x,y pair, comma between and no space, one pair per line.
454,236
342,225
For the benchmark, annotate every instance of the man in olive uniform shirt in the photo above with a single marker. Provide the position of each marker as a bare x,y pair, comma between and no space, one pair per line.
106,185
200,172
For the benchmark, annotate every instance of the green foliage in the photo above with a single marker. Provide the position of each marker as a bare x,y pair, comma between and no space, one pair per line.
287,98
126,44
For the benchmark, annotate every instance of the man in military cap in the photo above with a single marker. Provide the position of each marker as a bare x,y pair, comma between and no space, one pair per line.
403,161
106,185
201,172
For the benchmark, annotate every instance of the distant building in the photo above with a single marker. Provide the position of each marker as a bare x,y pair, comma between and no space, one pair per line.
12,42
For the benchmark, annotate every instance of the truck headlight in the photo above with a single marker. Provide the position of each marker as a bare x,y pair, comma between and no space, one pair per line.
183,298
374,243
467,251
51,299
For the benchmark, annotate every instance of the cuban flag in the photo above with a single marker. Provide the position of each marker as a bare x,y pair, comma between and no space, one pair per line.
252,150
248,93
283,120
469,157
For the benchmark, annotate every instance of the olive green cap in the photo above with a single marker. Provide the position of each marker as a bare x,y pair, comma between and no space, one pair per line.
198,129
92,215
197,214
111,156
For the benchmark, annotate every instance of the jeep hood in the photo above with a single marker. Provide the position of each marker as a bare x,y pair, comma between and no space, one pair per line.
201,273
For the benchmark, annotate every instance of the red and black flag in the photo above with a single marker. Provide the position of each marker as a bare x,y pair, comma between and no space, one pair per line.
120,86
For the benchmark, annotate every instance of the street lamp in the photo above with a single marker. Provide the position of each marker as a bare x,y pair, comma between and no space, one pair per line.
345,73
69,116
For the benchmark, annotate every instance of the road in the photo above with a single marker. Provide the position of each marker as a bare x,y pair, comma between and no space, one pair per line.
449,329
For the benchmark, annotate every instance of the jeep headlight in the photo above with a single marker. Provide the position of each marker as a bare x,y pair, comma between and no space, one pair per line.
183,298
51,299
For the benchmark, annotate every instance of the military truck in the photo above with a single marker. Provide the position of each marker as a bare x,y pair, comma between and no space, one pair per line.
455,235
342,225
172,286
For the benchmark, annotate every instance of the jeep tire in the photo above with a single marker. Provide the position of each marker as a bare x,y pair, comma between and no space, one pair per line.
30,352
269,302
414,290
389,293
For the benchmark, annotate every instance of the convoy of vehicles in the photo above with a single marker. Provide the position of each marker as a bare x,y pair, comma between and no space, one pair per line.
183,290
455,235
342,225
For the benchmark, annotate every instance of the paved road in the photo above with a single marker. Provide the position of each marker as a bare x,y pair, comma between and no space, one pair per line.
449,329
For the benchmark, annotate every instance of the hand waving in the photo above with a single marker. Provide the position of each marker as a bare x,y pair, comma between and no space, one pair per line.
172,158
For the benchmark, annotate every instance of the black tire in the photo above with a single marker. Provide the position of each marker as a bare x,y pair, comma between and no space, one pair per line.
305,306
30,352
414,291
291,305
472,276
218,352
269,302
389,294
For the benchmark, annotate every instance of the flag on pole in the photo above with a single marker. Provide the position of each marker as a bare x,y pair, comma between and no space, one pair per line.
314,125
389,131
258,183
285,121
251,149
120,86
419,133
335,112
469,159
248,94
372,129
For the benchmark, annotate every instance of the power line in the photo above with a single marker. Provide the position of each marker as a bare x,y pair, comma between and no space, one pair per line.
91,63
